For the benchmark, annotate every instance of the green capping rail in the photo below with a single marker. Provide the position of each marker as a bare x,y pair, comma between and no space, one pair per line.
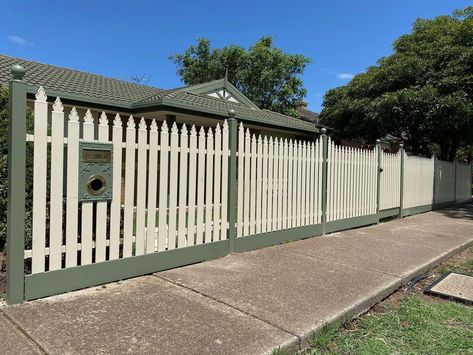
21,287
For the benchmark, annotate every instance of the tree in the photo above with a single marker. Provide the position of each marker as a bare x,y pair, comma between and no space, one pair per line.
265,74
421,94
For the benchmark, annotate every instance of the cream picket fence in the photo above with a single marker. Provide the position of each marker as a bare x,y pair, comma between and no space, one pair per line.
278,183
182,195
163,208
352,174
418,181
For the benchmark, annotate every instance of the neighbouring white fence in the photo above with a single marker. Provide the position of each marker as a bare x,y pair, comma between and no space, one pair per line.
279,183
175,189
463,183
418,181
390,181
351,182
444,181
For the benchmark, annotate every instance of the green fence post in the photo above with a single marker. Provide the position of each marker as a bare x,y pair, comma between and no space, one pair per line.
455,182
401,189
324,177
232,172
16,186
378,176
434,157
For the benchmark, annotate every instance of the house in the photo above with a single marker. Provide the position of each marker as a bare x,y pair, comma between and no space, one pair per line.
202,105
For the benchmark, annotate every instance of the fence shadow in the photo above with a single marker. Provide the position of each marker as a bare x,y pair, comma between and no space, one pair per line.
464,211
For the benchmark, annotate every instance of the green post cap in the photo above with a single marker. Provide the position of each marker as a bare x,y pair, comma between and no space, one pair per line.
18,72
231,113
323,130
401,145
378,141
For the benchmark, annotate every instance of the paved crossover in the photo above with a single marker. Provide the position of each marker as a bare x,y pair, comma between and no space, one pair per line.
246,303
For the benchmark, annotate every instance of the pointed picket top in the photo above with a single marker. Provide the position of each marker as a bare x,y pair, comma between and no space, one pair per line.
88,118
174,129
117,122
103,120
142,124
271,140
164,127
210,133
247,133
265,139
240,128
225,126
285,142
217,130
153,126
73,116
201,132
41,95
131,123
260,139
193,131
253,138
184,129
57,106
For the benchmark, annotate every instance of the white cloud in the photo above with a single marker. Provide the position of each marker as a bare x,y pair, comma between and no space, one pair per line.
345,76
20,41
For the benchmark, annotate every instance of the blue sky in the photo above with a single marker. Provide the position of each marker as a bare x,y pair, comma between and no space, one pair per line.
127,38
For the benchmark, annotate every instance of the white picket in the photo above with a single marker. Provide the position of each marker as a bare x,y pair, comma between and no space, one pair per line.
163,186
181,239
280,183
285,185
57,174
290,183
129,187
72,194
101,213
192,186
264,188
241,160
115,207
225,155
259,182
303,182
246,187
173,180
274,215
252,185
152,186
141,189
39,181
200,188
217,184
209,186
87,206
269,215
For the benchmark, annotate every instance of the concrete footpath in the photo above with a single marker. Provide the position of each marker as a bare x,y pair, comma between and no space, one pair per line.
248,303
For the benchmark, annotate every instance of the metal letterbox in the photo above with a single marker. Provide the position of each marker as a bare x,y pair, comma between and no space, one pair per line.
95,171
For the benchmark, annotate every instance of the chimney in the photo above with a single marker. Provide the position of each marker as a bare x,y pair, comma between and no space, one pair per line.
301,104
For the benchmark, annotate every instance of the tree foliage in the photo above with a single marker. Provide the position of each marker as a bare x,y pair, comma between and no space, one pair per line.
421,94
265,74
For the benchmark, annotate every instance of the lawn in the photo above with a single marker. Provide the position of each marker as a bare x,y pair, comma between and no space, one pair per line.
408,322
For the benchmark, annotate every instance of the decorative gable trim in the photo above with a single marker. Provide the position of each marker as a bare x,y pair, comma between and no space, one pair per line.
221,89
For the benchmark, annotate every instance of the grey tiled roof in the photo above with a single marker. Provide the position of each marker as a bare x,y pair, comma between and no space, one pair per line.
76,82
87,87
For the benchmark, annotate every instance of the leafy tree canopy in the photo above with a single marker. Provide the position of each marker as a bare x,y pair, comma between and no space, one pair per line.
265,74
421,94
